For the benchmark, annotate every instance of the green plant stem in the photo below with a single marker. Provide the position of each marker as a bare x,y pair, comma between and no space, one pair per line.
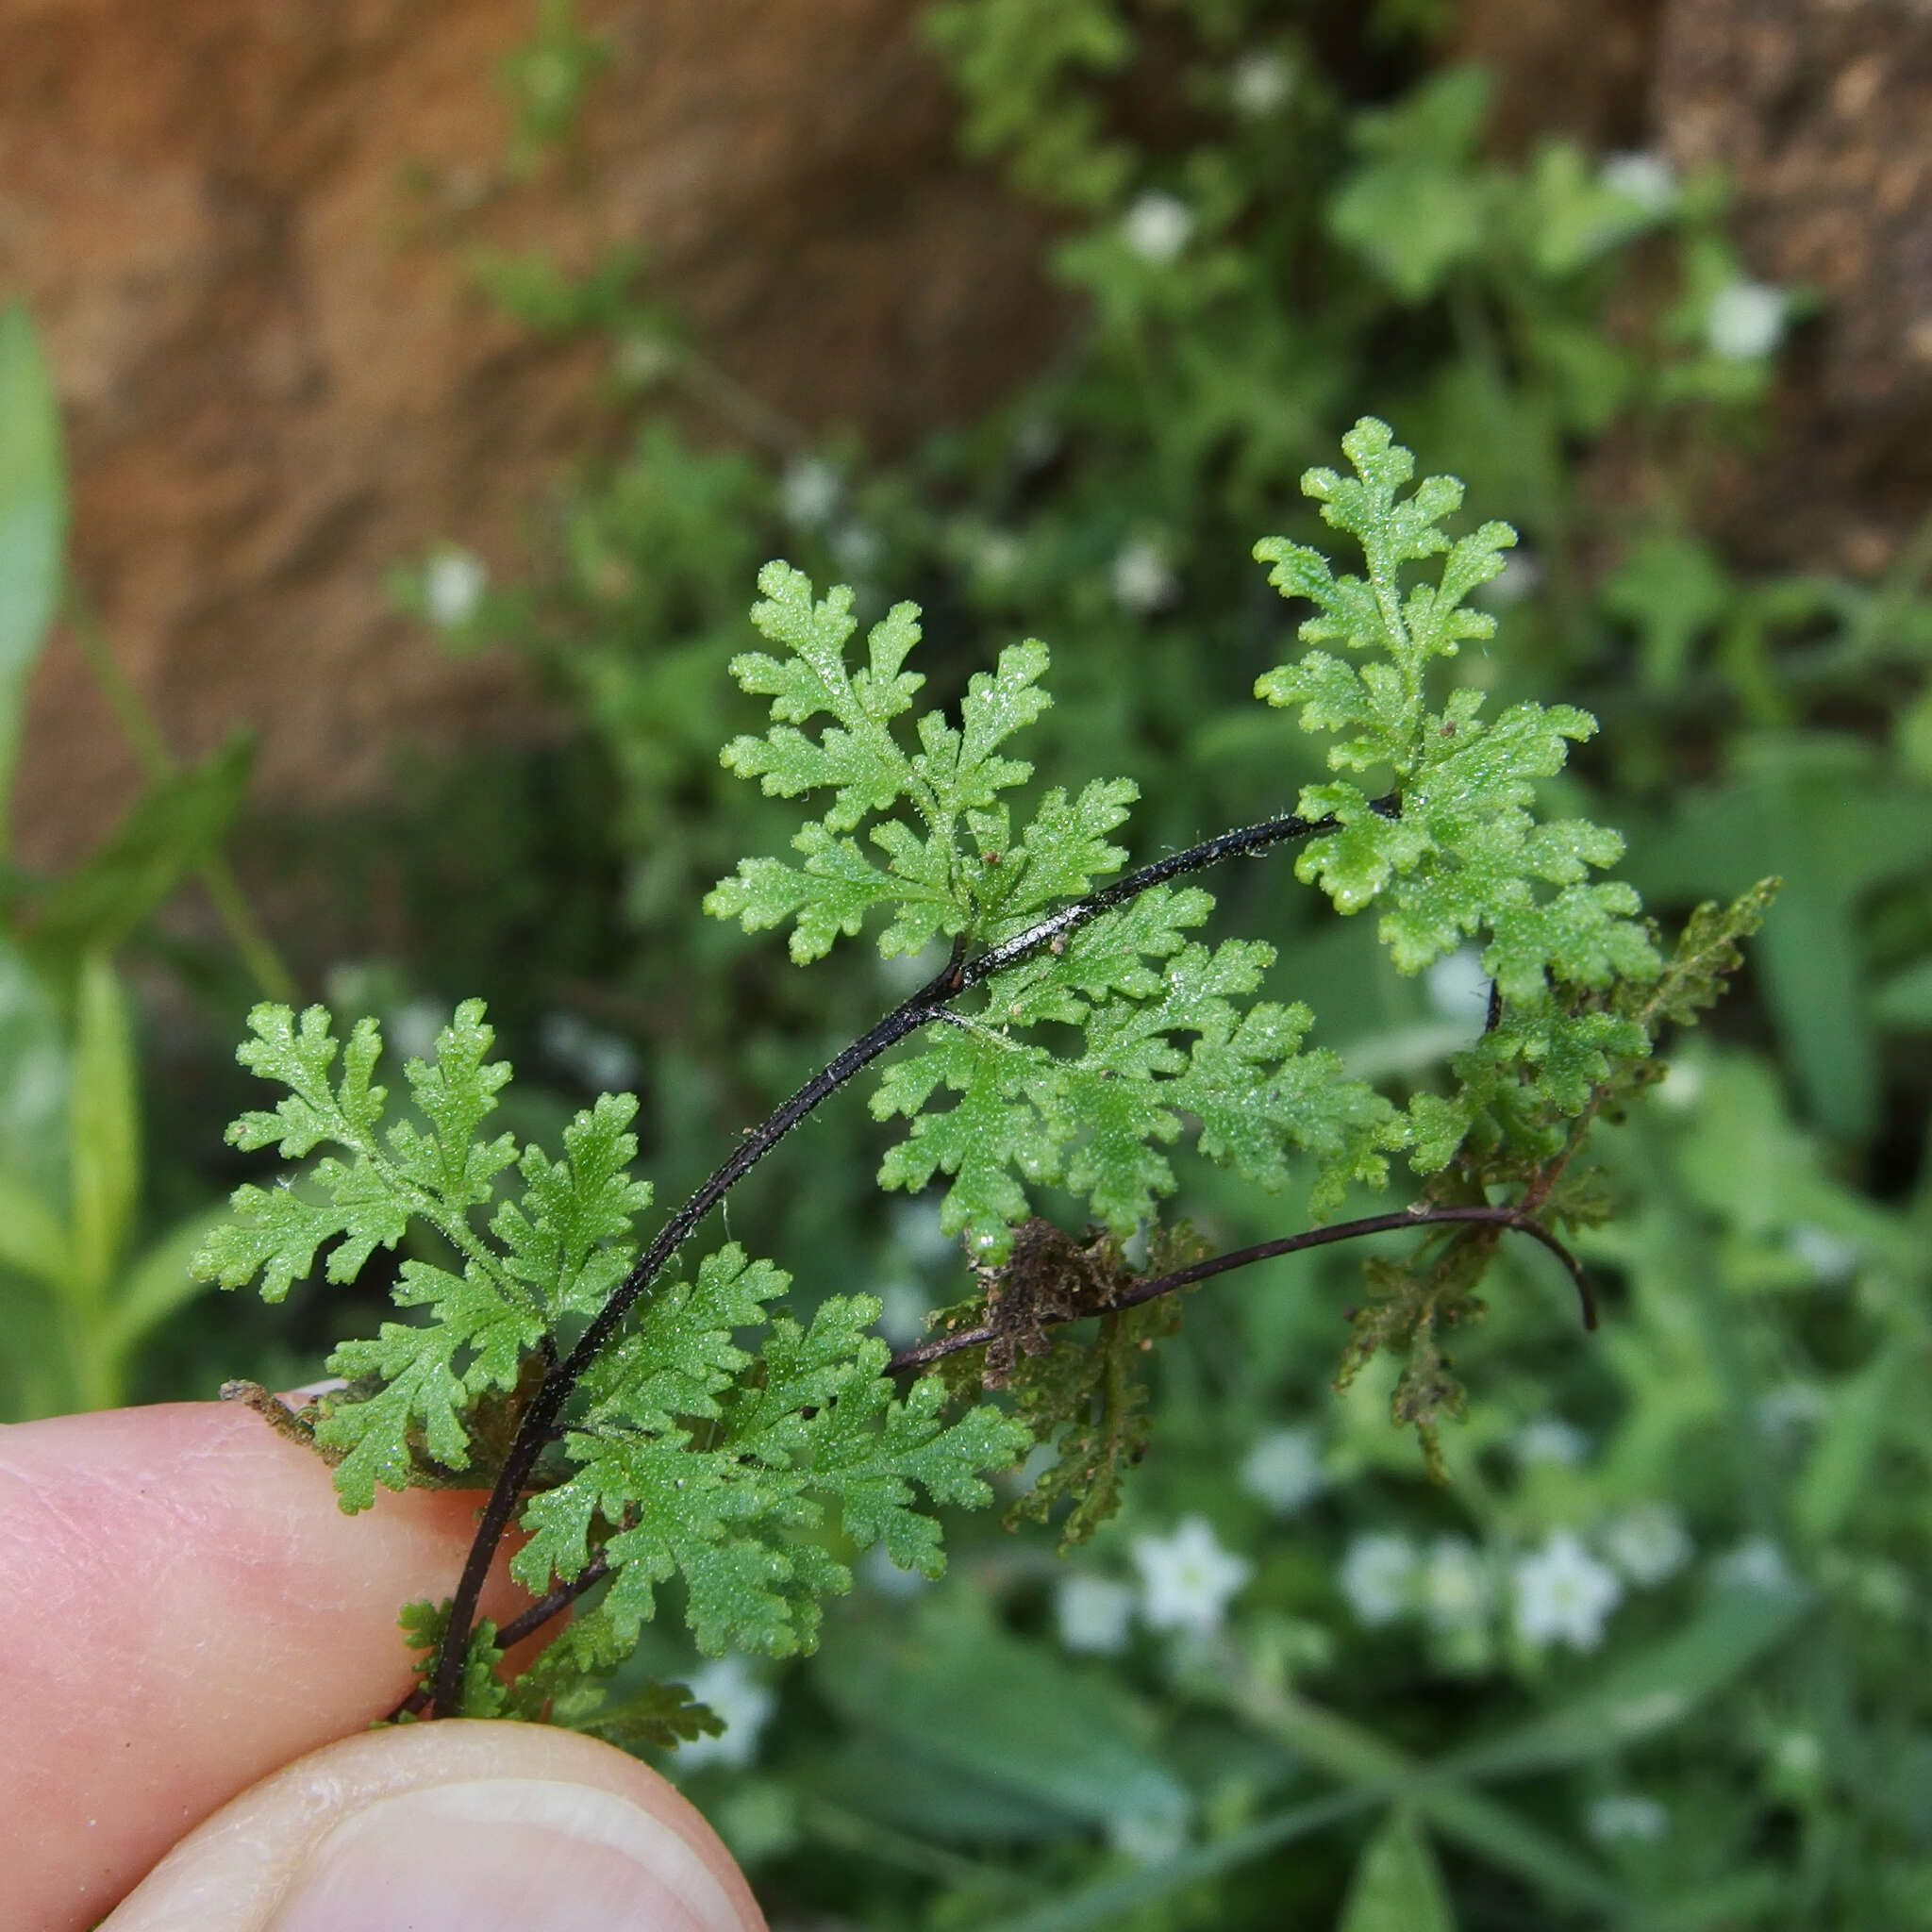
256,950
534,1430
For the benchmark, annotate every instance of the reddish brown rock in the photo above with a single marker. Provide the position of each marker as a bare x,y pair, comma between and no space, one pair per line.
278,379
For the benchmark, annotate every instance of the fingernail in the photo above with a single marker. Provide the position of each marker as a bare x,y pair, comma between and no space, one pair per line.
505,1854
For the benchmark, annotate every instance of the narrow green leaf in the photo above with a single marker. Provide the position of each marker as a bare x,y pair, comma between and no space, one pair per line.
104,1125
158,1282
33,526
1648,1694
32,1239
171,830
1397,1886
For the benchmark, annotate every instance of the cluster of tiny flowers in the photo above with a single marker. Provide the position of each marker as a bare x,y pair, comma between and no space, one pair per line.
1157,226
1187,1582
1560,1593
453,587
1745,320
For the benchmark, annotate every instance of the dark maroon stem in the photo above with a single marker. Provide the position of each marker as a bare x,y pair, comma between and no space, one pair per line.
924,1353
921,1352
534,1432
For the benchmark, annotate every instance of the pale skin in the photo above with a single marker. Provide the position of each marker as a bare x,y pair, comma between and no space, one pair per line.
188,1616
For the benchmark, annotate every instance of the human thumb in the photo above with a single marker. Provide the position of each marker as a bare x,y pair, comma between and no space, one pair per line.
456,1826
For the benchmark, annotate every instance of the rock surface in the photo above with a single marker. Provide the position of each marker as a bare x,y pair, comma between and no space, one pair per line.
234,221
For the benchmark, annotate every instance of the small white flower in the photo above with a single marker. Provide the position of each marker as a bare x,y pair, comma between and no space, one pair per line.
1455,1584
1648,1542
1745,320
599,1059
413,1027
1093,1613
1830,1256
1036,440
1143,583
1157,226
903,1310
1563,1594
996,555
1149,1837
1549,1439
1521,576
1755,1564
1187,1578
1680,1086
916,1223
453,587
809,492
1284,1470
1459,987
744,1703
1784,1411
1647,180
1260,82
858,548
1379,1577
1627,1815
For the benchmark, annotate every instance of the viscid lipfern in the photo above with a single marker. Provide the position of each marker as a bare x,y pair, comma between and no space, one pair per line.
645,1412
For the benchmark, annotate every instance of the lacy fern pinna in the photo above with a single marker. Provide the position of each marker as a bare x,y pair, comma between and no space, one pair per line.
643,1420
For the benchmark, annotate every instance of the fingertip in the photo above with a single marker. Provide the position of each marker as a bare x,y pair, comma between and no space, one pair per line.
470,1825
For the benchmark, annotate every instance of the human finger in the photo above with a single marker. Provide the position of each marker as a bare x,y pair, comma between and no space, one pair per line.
185,1609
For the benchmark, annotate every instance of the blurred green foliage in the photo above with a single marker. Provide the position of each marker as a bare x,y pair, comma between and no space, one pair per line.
1652,1656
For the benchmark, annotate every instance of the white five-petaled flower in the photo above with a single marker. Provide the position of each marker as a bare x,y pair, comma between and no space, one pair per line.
1627,1815
1259,83
1379,1576
744,1703
1187,1578
1157,226
1745,320
1648,1542
453,587
809,492
1143,582
1284,1470
1647,180
1093,1613
1563,1594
